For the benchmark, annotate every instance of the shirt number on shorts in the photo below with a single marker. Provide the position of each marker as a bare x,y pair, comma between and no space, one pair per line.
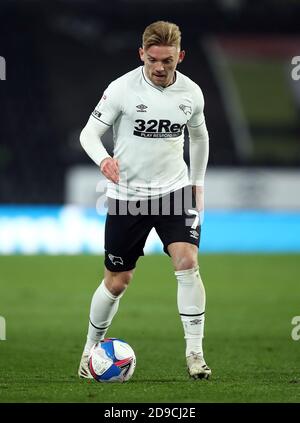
196,221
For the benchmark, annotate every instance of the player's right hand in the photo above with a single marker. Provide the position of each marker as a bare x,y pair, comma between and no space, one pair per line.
110,169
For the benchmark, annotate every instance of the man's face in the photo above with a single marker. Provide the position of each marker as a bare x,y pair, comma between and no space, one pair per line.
160,63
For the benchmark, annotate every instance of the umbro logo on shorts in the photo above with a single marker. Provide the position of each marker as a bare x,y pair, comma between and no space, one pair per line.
115,259
141,108
194,234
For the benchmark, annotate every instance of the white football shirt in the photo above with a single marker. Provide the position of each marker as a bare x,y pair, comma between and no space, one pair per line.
148,132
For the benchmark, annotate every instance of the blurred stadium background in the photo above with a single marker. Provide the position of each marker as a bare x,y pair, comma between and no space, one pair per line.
60,55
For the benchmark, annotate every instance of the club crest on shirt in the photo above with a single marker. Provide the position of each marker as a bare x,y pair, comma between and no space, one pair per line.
185,109
141,108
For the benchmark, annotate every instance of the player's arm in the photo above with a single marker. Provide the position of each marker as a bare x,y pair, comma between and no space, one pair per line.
104,115
199,149
90,139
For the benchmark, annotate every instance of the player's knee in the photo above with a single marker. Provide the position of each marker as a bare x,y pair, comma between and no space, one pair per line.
117,282
185,262
125,278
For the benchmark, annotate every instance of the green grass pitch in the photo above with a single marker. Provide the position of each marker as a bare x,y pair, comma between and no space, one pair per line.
251,300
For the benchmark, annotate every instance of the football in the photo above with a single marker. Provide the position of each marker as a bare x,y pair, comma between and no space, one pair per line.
112,360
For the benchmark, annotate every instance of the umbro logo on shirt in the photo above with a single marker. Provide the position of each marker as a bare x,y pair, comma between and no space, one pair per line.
141,108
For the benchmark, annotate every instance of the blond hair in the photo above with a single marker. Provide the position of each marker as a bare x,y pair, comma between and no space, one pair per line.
162,33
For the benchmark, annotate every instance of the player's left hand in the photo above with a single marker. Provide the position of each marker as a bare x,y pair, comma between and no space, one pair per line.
199,196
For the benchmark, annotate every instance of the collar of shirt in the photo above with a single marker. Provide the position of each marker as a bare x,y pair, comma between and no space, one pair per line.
157,86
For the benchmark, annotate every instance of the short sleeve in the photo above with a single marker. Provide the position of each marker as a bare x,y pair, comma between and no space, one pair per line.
109,107
197,117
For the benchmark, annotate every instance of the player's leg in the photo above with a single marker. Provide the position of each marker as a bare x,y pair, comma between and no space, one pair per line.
180,233
104,306
191,304
125,237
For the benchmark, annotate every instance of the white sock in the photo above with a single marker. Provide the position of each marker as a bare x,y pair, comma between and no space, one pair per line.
104,306
191,306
